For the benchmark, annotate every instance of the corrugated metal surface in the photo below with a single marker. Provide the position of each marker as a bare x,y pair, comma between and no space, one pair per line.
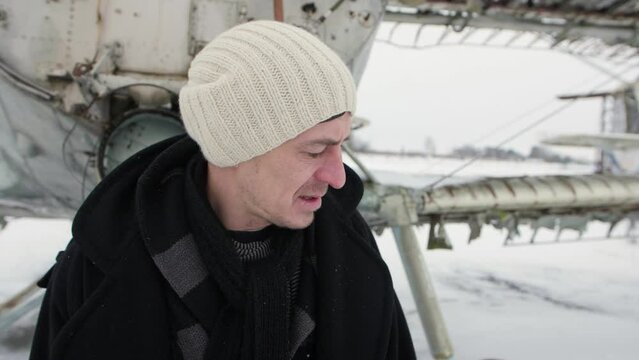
534,193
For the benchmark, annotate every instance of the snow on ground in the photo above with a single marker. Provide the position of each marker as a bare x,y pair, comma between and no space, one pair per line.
419,165
576,299
567,300
423,171
572,300
28,248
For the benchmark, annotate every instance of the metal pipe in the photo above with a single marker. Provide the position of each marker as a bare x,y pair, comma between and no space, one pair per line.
401,211
9,318
608,33
421,286
278,10
19,305
23,83
369,175
18,298
521,8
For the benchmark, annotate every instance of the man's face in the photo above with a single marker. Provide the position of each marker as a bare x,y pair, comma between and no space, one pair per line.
285,186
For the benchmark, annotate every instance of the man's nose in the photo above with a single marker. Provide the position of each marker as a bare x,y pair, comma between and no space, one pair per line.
332,170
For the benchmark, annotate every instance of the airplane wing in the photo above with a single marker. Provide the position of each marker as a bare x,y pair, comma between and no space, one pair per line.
571,25
620,141
549,201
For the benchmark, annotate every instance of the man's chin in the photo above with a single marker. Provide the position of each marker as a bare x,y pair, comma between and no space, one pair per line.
300,222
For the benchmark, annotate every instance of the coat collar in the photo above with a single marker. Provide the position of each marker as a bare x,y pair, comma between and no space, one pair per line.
356,308
107,221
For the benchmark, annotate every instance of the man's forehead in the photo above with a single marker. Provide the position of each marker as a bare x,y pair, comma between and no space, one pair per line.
334,130
335,117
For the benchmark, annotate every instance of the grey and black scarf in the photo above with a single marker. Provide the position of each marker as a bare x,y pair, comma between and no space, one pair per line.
220,309
229,300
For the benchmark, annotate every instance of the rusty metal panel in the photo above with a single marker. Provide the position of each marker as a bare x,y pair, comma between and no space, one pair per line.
47,39
210,18
153,34
348,27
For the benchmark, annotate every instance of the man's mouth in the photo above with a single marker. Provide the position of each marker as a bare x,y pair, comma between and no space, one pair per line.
310,202
310,198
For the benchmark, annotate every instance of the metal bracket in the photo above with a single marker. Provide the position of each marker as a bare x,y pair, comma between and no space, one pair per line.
475,223
438,237
86,74
511,223
543,222
400,210
572,222
19,305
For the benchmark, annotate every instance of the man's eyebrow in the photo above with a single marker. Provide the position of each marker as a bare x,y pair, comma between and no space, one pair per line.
326,141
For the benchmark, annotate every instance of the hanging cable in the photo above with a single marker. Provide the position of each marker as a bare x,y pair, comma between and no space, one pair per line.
517,119
600,68
524,115
67,137
517,134
507,140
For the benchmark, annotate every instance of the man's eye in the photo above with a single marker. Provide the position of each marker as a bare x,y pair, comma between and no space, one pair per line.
314,155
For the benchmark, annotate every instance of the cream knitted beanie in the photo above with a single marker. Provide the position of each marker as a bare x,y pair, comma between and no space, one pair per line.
258,85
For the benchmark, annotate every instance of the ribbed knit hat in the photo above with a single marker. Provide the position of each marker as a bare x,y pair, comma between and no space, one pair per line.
258,85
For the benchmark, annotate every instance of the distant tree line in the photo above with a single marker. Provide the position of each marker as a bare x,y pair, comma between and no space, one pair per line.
469,151
488,152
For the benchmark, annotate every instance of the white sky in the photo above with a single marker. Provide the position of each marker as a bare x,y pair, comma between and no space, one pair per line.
456,94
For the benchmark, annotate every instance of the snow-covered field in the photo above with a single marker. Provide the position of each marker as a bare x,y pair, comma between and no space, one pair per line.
28,248
572,300
423,171
566,300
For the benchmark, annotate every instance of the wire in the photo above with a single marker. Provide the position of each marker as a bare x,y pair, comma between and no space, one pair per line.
517,134
64,158
524,115
84,174
501,127
505,141
601,69
330,11
67,137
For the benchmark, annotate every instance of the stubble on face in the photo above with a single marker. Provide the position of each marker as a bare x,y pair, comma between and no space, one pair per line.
285,186
275,204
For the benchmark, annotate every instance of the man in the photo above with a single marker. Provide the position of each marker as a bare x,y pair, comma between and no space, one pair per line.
241,241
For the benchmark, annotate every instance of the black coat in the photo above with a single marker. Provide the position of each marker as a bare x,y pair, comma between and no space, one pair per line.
106,299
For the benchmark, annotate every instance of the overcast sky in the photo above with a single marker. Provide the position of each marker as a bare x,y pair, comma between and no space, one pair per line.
457,94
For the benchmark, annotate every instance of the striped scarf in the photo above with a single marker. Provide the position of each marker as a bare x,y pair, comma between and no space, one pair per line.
231,300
